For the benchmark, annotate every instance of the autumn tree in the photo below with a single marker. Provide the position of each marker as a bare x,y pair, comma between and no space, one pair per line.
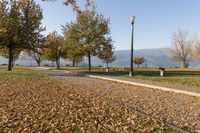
20,25
139,60
73,3
52,48
37,53
181,48
93,32
107,54
71,46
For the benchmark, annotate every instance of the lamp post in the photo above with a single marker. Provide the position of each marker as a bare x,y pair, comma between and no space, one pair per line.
131,62
58,57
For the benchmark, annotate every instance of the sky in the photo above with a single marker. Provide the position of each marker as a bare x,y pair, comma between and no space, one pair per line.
154,24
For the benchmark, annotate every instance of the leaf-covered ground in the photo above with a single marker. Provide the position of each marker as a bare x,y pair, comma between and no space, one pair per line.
37,103
180,110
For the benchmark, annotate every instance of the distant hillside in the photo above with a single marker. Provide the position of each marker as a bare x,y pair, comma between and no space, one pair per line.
154,58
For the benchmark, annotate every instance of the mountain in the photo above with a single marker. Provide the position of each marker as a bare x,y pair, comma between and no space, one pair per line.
154,58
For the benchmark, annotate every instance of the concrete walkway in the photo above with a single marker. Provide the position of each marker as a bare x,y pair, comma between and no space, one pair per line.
176,88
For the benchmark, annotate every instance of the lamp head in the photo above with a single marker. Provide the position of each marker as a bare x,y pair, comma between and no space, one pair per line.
132,19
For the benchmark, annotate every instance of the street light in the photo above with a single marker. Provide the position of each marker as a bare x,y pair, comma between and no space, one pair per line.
58,57
131,62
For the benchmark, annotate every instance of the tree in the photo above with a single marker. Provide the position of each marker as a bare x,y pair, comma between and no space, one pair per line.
75,54
73,3
138,60
37,53
196,52
20,25
93,32
71,47
107,54
52,48
181,49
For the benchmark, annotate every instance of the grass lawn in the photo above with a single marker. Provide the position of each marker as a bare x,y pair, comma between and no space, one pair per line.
80,69
19,74
190,77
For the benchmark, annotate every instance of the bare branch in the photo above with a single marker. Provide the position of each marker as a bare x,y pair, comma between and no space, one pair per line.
181,48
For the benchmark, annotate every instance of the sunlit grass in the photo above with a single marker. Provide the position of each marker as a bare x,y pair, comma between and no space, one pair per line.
185,76
80,69
19,74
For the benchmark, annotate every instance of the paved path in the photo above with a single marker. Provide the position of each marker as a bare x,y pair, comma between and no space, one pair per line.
173,87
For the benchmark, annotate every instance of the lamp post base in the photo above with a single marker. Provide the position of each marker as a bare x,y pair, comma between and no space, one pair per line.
131,74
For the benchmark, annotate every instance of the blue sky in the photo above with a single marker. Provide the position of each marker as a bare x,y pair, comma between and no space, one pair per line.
155,19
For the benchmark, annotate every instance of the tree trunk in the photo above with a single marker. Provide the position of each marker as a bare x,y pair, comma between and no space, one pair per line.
38,63
89,61
184,64
73,63
107,64
10,60
58,63
13,62
52,64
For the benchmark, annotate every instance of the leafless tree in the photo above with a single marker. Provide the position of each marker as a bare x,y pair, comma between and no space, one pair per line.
181,47
196,52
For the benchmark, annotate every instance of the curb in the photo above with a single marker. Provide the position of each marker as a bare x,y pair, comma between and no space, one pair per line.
146,85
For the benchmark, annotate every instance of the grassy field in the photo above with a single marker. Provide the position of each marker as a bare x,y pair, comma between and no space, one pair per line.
189,76
80,69
19,74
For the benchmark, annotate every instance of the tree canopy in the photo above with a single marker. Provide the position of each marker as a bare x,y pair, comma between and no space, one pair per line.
181,48
20,25
94,32
52,48
90,32
73,3
196,52
138,60
71,47
38,52
107,54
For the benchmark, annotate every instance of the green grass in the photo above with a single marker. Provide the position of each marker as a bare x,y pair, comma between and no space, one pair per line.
190,77
185,80
80,69
19,74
